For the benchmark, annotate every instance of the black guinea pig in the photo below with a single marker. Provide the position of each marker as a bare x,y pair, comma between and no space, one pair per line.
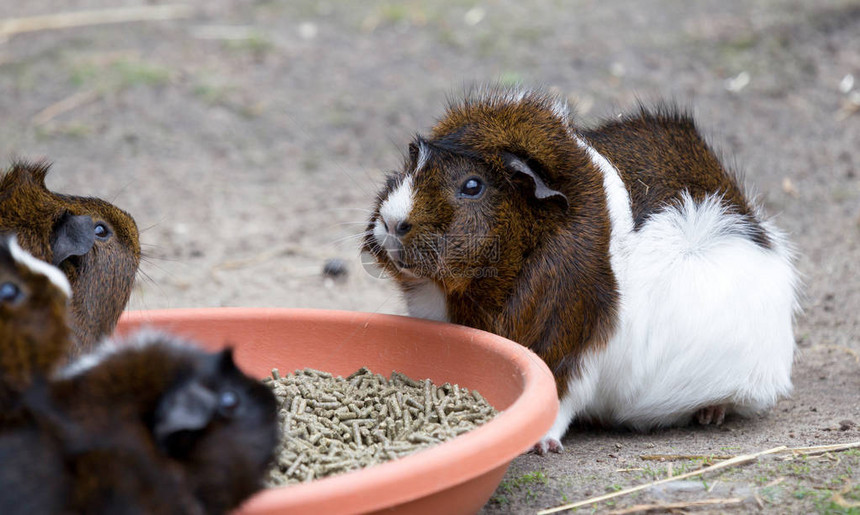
32,470
92,241
34,333
193,413
626,256
53,463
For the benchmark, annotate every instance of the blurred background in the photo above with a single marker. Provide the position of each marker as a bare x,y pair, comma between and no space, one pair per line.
249,138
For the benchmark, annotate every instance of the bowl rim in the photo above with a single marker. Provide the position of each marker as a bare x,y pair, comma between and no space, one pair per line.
485,449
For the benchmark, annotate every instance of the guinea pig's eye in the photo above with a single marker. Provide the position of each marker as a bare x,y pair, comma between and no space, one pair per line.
472,188
228,401
9,292
101,230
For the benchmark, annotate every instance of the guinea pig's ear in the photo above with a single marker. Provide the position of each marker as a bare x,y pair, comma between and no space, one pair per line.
225,361
73,235
417,145
414,150
539,189
183,410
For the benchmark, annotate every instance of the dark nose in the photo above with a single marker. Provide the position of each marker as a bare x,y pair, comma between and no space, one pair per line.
402,228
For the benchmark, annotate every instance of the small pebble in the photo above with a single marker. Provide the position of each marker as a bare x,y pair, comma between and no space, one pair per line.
335,268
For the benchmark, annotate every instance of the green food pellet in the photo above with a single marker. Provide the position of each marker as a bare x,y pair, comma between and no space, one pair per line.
331,425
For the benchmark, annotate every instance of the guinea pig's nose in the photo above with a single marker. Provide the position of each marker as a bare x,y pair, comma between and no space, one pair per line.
402,228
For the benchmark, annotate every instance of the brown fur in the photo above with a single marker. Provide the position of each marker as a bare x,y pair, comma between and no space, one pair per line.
553,290
34,332
102,279
661,153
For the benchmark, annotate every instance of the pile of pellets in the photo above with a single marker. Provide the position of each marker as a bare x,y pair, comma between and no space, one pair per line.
331,425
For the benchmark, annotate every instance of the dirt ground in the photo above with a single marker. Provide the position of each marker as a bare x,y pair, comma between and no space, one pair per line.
248,140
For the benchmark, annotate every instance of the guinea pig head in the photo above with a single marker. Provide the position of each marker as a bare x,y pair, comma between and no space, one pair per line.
93,242
34,335
220,425
474,198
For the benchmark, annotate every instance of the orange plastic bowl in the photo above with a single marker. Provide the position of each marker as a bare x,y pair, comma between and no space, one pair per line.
458,476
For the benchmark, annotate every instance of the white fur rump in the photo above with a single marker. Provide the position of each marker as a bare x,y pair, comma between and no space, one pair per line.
705,318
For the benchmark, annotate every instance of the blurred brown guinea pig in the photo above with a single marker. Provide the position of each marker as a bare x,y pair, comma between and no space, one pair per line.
93,242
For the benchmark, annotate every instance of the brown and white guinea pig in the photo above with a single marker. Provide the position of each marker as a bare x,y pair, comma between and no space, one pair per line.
34,332
626,256
92,241
200,419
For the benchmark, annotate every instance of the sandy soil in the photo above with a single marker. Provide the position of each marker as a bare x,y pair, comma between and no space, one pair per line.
248,141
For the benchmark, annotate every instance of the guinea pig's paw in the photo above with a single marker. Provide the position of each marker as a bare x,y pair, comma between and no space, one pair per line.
547,444
711,415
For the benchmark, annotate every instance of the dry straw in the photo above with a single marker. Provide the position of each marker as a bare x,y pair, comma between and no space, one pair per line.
65,20
730,462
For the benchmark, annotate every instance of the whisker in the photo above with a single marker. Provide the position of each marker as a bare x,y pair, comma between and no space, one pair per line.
352,237
140,294
367,176
439,261
121,190
349,223
156,224
149,262
364,209
151,258
148,278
